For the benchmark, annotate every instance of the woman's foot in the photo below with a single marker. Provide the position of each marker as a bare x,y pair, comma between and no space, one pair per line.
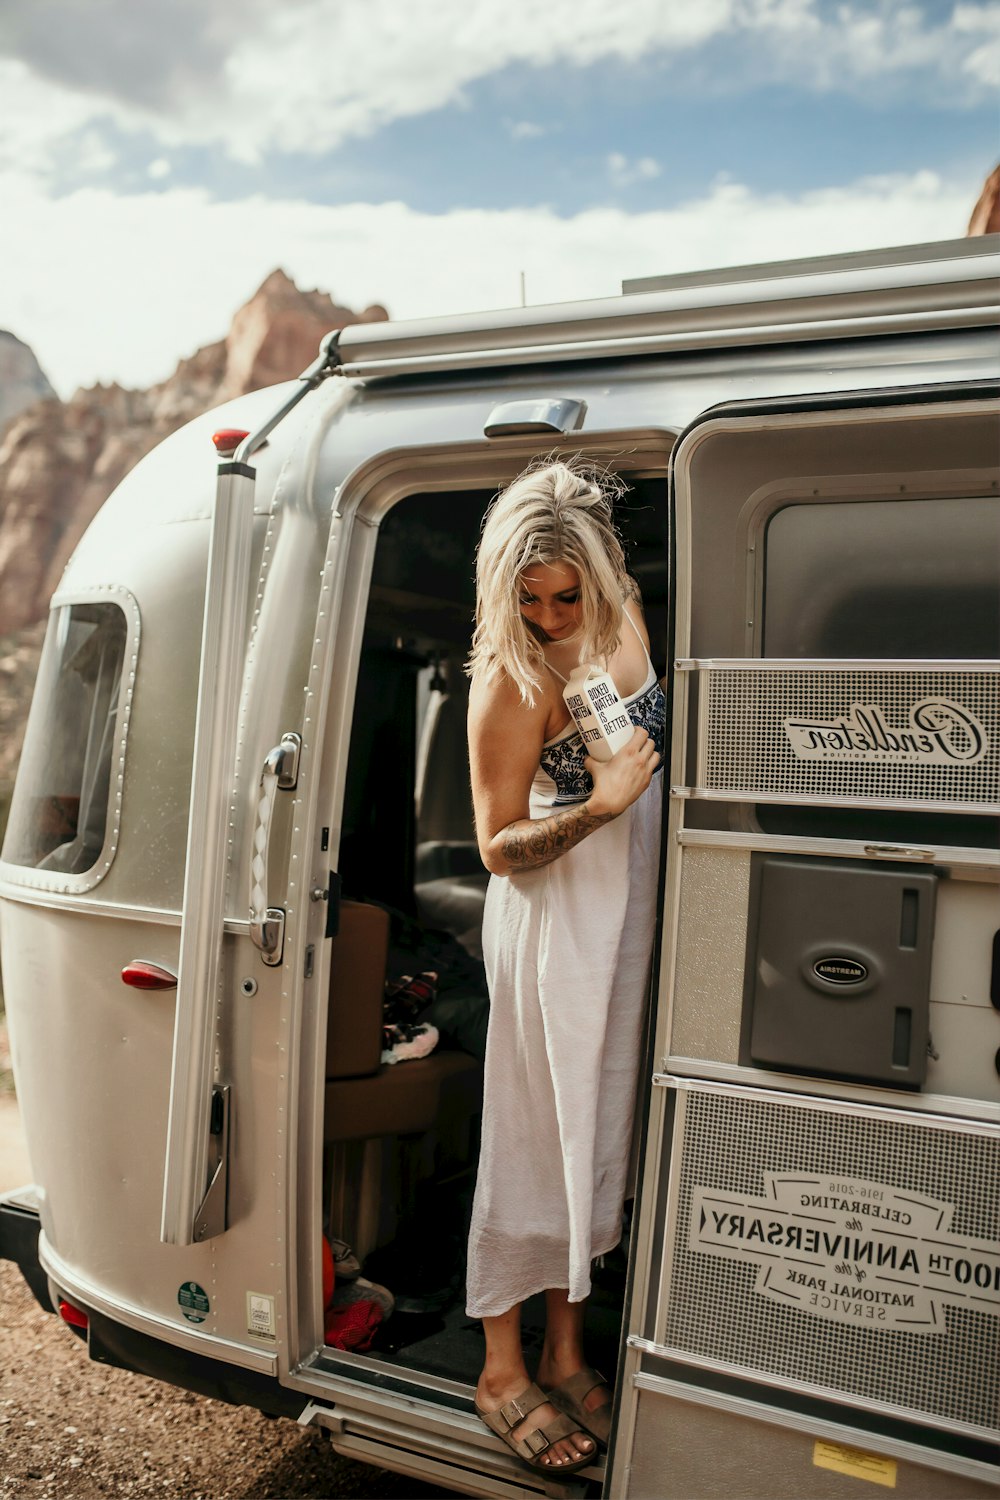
578,1391
576,1448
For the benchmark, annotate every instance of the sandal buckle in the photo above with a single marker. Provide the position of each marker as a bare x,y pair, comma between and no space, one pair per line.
518,1411
536,1441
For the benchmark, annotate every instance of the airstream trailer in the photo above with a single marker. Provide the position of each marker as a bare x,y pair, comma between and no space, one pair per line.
246,750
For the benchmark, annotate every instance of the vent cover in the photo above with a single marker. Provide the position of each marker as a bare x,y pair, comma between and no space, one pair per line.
864,733
768,1276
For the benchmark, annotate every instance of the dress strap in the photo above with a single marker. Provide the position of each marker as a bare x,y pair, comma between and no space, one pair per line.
638,635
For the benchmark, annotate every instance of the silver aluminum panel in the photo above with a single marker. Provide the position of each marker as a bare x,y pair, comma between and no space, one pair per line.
767,1271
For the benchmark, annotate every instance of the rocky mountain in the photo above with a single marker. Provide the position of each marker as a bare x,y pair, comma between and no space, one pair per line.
22,379
986,214
60,460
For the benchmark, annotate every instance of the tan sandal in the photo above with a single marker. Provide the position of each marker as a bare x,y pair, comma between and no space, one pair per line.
570,1396
535,1444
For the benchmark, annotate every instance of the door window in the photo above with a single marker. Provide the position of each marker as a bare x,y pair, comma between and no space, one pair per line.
883,579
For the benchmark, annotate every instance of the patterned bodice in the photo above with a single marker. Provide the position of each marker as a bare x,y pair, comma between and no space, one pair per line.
562,759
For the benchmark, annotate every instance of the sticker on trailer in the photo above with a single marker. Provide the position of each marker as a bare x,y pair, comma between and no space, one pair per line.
850,1250
260,1316
193,1302
853,1461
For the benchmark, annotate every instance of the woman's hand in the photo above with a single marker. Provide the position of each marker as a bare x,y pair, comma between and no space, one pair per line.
620,781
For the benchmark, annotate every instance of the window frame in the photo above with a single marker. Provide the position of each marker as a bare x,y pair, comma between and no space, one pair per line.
60,882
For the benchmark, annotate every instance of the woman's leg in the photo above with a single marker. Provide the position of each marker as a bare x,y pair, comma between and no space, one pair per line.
505,1376
562,1351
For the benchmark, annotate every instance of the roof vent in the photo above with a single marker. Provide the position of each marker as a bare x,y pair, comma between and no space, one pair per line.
544,414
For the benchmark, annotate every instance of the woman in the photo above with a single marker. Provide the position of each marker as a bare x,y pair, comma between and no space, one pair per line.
572,845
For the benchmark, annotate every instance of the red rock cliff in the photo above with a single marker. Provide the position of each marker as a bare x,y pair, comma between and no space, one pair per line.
59,461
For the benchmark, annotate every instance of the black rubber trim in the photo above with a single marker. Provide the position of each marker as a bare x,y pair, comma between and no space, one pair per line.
878,398
232,468
19,1231
857,1418
112,1343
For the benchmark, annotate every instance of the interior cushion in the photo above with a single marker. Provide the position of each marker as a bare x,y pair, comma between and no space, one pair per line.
404,1098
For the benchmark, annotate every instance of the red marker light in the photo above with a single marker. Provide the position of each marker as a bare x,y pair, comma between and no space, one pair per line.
142,975
227,440
74,1316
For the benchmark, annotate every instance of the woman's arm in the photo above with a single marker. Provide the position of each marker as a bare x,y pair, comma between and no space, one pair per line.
505,745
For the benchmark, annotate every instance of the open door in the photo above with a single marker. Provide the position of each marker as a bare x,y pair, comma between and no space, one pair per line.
816,1274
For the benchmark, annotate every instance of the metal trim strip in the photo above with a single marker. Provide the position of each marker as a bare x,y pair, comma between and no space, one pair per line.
152,1324
819,799
834,664
234,926
443,1432
815,1392
836,1104
697,338
816,1427
985,859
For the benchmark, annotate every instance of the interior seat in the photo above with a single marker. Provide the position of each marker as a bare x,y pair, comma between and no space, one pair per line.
365,1097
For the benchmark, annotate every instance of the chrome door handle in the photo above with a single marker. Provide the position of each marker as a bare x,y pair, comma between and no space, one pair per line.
280,773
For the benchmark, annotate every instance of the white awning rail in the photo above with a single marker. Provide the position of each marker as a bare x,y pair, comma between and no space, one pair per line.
953,284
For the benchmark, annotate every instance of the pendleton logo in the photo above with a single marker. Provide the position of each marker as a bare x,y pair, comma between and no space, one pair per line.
939,732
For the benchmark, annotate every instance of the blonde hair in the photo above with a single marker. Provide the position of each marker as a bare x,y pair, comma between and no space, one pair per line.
554,513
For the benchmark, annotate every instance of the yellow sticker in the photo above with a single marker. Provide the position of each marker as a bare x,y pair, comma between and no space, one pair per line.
856,1462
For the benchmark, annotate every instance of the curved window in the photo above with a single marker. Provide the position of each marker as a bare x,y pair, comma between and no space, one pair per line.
64,814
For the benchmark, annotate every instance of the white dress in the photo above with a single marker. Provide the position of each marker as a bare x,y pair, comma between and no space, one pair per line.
567,951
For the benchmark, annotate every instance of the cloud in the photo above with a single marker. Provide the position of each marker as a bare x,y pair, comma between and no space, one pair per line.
307,75
983,62
524,130
624,173
109,288
154,55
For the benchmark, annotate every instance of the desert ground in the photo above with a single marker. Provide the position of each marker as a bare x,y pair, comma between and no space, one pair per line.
71,1428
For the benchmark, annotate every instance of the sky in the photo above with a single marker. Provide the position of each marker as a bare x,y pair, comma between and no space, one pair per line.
158,158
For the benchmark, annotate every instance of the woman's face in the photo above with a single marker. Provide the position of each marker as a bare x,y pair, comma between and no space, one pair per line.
548,595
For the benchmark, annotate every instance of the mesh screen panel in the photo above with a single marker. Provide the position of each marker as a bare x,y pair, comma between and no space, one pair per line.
757,718
715,1309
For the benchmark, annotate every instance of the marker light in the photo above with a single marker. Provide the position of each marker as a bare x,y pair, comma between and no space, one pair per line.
142,975
227,440
74,1316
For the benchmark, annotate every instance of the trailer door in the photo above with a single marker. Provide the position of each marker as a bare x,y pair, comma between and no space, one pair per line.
816,1269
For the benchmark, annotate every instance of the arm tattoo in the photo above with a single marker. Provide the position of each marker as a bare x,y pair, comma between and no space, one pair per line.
632,591
530,844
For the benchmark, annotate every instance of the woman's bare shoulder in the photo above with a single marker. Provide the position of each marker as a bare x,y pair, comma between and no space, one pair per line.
497,693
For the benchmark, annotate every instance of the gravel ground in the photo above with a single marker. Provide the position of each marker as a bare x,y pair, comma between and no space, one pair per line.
75,1429
70,1428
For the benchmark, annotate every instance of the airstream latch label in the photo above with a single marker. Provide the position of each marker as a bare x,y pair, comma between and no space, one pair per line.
851,1250
938,732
